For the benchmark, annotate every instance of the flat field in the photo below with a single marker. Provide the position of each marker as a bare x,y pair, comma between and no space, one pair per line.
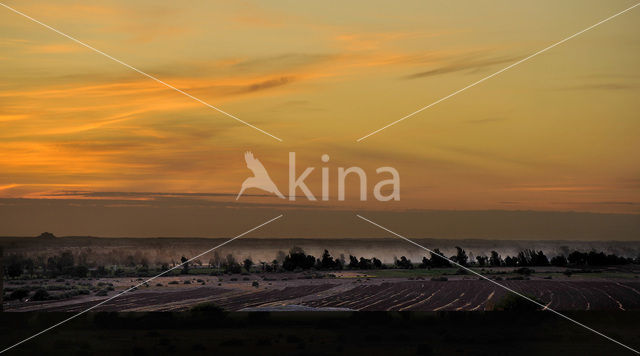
379,290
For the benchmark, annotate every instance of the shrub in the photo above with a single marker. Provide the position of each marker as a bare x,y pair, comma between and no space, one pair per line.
524,270
101,293
19,294
208,309
80,271
173,282
41,294
187,282
255,284
439,279
512,302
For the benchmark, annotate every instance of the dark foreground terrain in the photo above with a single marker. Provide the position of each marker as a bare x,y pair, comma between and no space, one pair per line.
390,290
208,330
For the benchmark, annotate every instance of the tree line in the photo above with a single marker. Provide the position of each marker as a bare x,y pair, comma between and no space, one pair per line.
66,264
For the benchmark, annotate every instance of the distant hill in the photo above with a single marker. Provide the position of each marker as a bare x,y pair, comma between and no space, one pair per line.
47,235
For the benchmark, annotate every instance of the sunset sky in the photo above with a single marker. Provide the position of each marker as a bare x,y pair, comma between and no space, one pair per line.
556,133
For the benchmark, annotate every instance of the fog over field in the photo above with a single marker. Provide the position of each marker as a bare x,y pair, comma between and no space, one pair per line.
169,250
164,229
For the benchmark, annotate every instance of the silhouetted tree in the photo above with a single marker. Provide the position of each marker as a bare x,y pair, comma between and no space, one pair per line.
460,257
298,259
185,266
215,261
541,259
404,262
365,263
577,258
510,261
425,263
529,257
353,262
247,263
495,260
230,264
524,257
594,258
559,261
327,261
482,260
437,260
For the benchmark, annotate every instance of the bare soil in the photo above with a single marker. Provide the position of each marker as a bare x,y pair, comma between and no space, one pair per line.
351,291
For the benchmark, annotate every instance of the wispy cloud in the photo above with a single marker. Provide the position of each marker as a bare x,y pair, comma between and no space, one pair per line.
269,84
468,63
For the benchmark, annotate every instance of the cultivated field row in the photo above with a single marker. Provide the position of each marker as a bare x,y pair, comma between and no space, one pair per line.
389,294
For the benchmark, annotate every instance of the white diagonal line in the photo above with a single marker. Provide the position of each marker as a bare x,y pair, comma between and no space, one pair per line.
496,73
141,72
138,285
500,285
